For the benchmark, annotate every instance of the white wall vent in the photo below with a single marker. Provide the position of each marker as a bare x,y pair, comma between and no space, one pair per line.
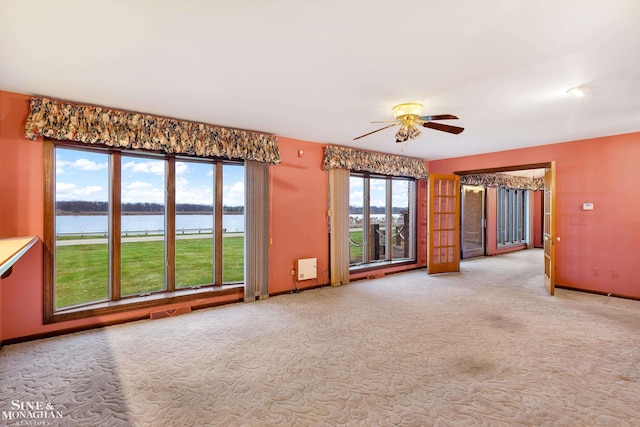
306,268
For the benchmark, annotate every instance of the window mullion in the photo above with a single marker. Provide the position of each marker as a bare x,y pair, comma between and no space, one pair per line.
115,229
366,221
170,225
217,225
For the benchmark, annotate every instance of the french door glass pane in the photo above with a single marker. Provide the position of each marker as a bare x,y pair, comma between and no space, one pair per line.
194,223
232,223
142,223
377,219
356,220
81,227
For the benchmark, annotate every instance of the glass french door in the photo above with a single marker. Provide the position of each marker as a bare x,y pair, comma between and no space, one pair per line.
444,226
549,233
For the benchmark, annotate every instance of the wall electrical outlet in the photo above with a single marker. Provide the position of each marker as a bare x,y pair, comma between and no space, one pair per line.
293,271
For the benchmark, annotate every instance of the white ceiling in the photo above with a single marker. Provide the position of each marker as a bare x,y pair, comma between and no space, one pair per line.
321,71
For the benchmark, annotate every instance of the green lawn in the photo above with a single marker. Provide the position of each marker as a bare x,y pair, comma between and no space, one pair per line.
355,252
82,270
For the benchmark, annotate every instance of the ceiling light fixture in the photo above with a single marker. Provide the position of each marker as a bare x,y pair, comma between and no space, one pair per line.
578,91
408,114
408,117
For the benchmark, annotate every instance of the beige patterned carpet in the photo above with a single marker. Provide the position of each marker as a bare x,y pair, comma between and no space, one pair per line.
485,347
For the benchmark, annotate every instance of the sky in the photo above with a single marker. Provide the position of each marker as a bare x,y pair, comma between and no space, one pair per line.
377,190
84,175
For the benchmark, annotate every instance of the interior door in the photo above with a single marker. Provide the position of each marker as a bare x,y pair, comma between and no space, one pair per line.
549,234
444,229
473,221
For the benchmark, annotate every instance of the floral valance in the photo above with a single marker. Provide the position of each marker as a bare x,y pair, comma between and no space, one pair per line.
503,180
114,128
386,164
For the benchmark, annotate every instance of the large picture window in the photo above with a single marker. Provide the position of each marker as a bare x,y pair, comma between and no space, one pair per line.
512,216
129,227
381,220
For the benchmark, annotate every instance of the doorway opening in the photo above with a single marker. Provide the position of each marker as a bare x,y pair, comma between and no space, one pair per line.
492,223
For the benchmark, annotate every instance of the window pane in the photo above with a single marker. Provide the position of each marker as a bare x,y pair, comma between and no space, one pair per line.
356,219
377,218
512,218
81,200
233,223
142,223
194,223
401,240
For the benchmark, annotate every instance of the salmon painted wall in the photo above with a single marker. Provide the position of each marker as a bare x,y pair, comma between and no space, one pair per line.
298,214
21,210
598,249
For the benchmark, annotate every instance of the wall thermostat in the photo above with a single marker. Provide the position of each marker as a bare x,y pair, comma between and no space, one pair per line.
587,206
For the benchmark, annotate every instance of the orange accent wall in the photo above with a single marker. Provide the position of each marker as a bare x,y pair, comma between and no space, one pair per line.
298,214
598,250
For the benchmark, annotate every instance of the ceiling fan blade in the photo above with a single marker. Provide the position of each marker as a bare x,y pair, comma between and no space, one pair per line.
444,128
438,117
385,121
378,130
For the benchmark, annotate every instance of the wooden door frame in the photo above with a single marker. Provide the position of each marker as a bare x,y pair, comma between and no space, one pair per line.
545,165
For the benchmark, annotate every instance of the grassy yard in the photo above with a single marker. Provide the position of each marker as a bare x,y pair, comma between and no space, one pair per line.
355,252
82,270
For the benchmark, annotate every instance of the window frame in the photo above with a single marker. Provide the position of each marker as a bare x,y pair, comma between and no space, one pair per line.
115,302
367,263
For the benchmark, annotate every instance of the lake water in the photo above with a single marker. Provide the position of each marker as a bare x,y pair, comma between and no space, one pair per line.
95,224
130,223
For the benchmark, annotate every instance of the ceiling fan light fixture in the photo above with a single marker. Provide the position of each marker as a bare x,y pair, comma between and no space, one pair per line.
407,109
414,132
402,134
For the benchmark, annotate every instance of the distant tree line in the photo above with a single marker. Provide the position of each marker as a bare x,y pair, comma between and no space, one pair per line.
81,207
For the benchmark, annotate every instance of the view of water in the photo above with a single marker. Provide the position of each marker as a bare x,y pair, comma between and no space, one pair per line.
130,223
95,224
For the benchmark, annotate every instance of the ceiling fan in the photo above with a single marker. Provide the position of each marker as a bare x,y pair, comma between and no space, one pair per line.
408,117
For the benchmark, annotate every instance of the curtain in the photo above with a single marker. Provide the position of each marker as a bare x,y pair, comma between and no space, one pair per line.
256,231
503,180
114,128
385,164
339,225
